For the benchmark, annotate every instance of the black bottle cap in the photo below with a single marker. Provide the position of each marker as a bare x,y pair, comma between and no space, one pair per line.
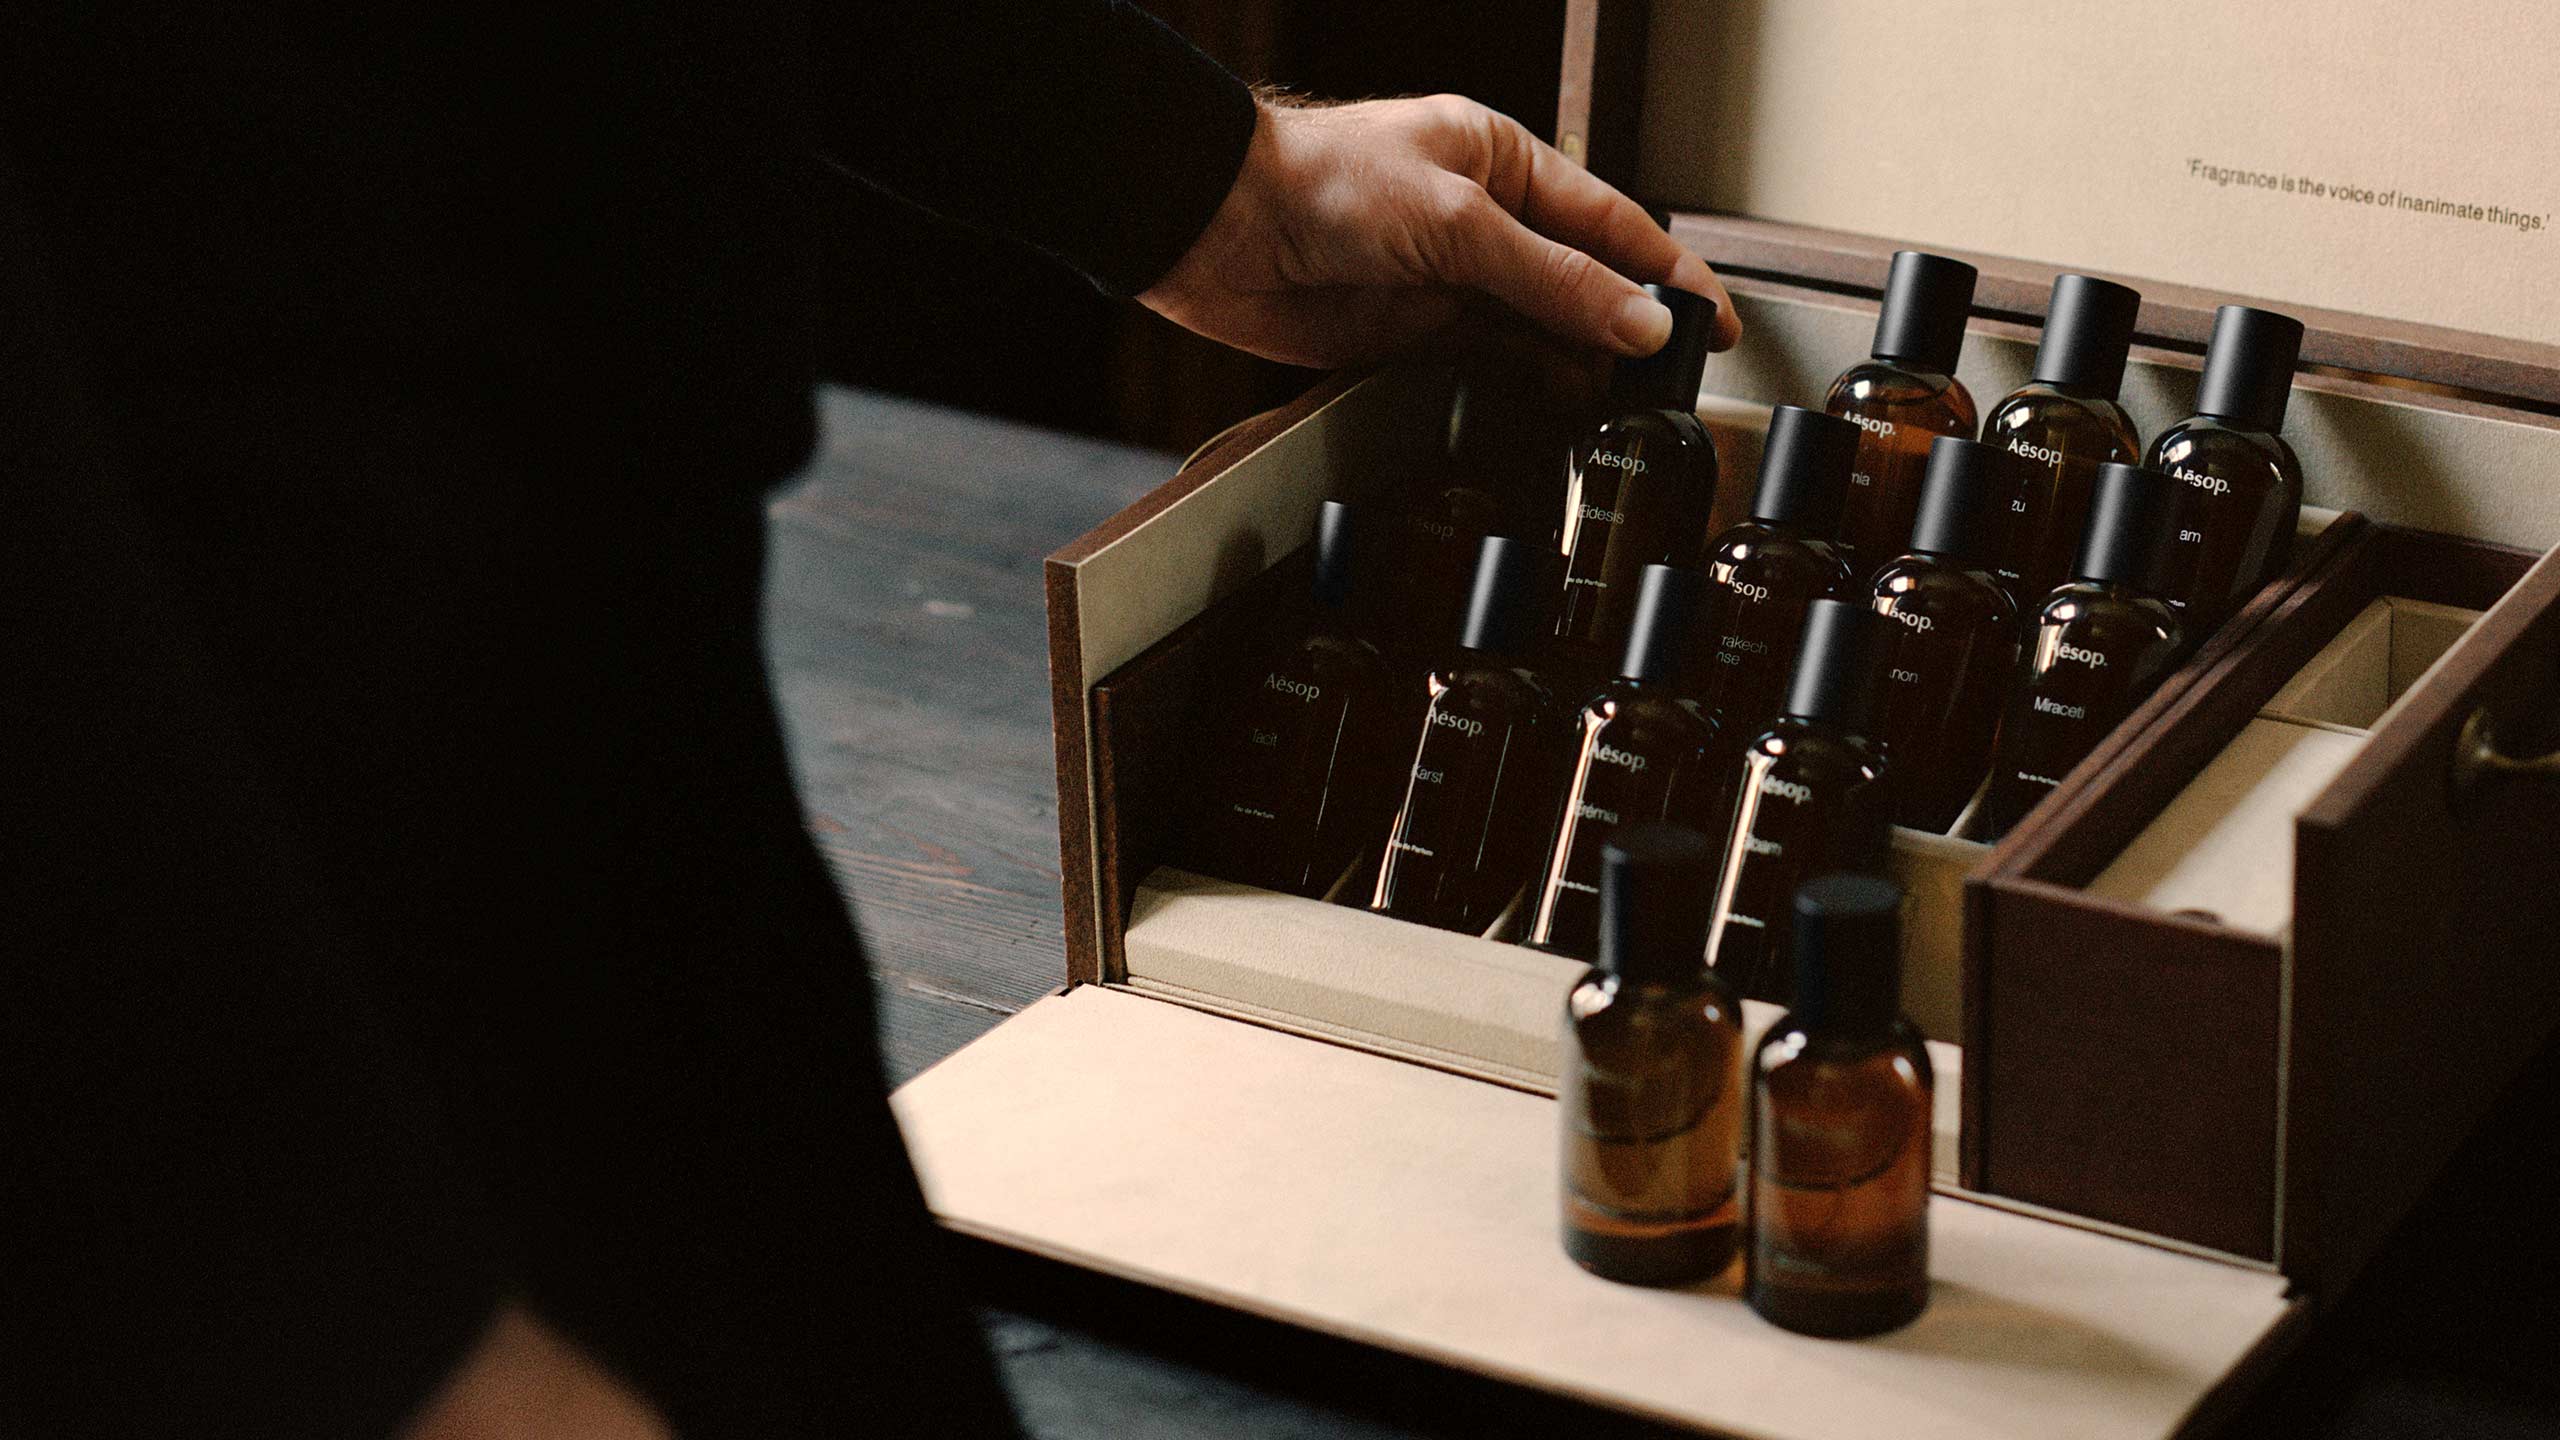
1834,679
2248,368
1507,603
1961,494
1337,554
1657,893
1804,470
1668,378
2087,328
1848,953
1666,612
2132,519
1926,298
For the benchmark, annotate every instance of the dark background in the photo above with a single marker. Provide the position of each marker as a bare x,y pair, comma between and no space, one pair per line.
921,306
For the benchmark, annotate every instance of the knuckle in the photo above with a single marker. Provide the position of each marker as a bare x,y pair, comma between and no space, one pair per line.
1563,273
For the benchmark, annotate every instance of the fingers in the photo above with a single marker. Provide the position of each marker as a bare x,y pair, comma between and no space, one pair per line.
1556,285
1569,204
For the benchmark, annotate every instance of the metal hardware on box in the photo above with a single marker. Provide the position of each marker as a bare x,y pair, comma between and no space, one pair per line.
2480,766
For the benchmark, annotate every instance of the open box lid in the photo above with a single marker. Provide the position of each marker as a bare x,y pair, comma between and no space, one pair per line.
2381,173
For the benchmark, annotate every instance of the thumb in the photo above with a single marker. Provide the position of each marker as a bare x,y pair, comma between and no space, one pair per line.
1562,289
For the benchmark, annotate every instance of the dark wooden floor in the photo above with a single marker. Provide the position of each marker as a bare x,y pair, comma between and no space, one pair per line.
908,647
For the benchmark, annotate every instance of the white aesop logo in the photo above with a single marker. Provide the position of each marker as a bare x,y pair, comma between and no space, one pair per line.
1612,755
1287,686
1460,723
1627,463
2044,454
1921,623
1794,792
1877,428
2209,484
2090,658
1759,594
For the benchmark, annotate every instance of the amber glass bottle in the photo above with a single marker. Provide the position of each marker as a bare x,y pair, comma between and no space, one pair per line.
2242,491
1651,1095
1496,471
2061,426
2097,646
1647,752
1764,571
1810,799
1303,778
1949,652
1840,1143
1903,398
1489,763
1639,487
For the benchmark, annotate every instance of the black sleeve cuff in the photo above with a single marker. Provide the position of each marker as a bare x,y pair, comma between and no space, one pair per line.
1084,128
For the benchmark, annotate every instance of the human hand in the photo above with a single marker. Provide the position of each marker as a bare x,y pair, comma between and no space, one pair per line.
1354,230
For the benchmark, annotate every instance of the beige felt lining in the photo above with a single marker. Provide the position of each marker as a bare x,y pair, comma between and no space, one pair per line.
1407,1208
2372,663
1473,1006
2224,846
1995,127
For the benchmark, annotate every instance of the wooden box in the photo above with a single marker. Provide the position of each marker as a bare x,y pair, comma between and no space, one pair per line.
2206,1023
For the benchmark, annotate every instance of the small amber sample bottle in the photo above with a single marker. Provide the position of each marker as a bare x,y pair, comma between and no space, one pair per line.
2096,647
1647,752
1949,653
1905,397
1639,486
1811,799
1840,1142
1651,1095
1490,760
1764,571
2241,493
1305,772
2061,426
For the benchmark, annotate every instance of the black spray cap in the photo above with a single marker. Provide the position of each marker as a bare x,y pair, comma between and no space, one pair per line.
2087,328
1337,553
2248,368
1668,378
1926,298
1834,679
2132,519
1962,494
1804,469
1508,601
1657,893
1666,613
1848,953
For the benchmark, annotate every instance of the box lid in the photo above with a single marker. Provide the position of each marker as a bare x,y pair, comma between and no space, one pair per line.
2382,173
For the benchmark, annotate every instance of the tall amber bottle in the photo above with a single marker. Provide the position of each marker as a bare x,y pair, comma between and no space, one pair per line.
1764,571
1647,752
1651,1096
1495,472
1489,762
1904,397
1639,487
2061,426
1304,778
2097,646
2242,491
1811,799
1838,1207
1949,654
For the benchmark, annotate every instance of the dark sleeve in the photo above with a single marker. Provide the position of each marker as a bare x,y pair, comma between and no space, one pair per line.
228,1205
1085,128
